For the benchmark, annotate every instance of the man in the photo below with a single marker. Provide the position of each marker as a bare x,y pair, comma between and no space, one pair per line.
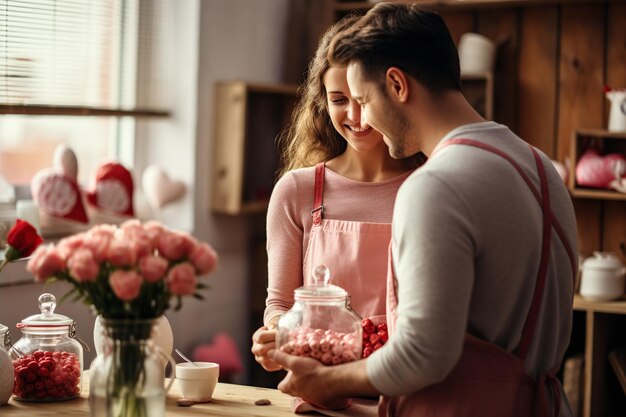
483,246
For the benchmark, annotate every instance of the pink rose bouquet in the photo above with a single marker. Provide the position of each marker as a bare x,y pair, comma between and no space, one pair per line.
129,275
134,271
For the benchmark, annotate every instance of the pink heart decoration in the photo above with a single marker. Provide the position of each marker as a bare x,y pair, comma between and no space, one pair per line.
159,188
598,171
223,350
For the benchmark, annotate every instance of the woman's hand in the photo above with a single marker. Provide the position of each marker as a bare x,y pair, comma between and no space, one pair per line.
264,340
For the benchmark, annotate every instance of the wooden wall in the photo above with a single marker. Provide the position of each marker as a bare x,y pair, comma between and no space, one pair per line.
552,64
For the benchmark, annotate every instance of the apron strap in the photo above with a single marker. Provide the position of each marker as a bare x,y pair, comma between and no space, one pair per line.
548,221
547,380
555,222
533,314
318,194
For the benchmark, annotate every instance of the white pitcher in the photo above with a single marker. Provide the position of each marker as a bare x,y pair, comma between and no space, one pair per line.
617,116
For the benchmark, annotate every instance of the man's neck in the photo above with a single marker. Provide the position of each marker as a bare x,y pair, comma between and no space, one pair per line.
440,114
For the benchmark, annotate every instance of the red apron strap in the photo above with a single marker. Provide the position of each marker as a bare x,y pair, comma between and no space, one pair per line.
547,380
542,405
544,201
533,314
553,219
318,194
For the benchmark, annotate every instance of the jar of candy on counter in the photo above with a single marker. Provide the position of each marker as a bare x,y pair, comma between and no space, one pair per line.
321,325
6,367
48,358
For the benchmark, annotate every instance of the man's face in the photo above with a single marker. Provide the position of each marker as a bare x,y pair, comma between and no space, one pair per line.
379,111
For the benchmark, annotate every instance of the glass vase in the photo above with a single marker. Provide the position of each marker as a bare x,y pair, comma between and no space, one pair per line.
127,379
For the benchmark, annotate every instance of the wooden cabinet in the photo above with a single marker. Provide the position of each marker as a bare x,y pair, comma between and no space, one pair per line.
248,119
604,324
604,387
606,142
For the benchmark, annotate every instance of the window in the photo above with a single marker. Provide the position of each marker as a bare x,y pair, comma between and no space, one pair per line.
75,72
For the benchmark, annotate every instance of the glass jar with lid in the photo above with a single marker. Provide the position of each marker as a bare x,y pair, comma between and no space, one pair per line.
48,358
321,325
6,368
5,338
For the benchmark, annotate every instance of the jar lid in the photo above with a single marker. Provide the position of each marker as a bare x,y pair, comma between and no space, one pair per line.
320,289
603,260
47,317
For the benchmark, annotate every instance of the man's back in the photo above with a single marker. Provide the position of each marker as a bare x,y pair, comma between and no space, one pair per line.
467,235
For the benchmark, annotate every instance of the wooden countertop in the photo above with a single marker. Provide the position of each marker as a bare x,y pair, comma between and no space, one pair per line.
228,400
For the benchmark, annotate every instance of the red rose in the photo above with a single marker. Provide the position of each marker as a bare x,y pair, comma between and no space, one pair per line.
22,241
24,238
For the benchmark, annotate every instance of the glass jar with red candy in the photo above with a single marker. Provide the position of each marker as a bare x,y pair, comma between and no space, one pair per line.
321,325
48,358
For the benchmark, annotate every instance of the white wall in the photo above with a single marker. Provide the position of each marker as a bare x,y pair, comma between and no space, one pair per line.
211,40
240,39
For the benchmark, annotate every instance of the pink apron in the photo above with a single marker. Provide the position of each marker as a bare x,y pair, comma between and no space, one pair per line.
488,381
355,253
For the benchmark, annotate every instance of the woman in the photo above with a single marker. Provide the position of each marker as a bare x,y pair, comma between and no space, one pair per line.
342,219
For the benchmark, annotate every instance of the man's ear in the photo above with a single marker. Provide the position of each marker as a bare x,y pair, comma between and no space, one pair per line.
397,84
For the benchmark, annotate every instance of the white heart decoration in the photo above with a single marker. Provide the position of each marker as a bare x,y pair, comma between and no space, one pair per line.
64,161
159,188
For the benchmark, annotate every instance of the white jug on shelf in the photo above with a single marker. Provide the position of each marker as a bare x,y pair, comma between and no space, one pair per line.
617,115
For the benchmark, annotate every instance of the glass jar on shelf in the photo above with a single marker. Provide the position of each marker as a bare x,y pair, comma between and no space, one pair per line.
321,325
48,358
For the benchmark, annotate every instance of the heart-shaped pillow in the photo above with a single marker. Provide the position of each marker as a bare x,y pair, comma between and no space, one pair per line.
222,350
594,170
159,188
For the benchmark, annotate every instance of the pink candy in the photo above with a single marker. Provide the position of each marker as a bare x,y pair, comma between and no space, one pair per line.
327,346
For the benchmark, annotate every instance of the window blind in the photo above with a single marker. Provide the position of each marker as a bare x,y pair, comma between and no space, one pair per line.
77,53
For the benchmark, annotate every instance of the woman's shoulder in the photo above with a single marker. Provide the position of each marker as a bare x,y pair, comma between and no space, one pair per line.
298,175
295,180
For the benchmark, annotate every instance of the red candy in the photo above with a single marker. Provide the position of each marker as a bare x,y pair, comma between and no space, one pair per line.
47,375
374,336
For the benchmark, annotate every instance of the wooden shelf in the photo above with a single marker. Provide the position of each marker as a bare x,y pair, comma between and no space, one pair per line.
606,142
51,110
248,118
346,6
602,339
595,194
613,307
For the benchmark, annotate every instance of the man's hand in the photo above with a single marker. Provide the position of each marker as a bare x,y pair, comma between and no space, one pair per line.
308,378
263,341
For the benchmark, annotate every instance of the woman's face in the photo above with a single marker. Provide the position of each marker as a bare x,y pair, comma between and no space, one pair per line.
345,112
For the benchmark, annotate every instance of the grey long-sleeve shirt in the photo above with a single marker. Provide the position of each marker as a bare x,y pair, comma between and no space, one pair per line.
466,246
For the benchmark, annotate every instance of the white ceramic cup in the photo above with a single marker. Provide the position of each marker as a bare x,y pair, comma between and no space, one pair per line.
197,383
476,53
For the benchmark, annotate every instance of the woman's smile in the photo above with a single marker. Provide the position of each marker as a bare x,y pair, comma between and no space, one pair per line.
358,131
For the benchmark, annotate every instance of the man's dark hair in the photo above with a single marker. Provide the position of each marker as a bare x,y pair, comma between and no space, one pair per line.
404,36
